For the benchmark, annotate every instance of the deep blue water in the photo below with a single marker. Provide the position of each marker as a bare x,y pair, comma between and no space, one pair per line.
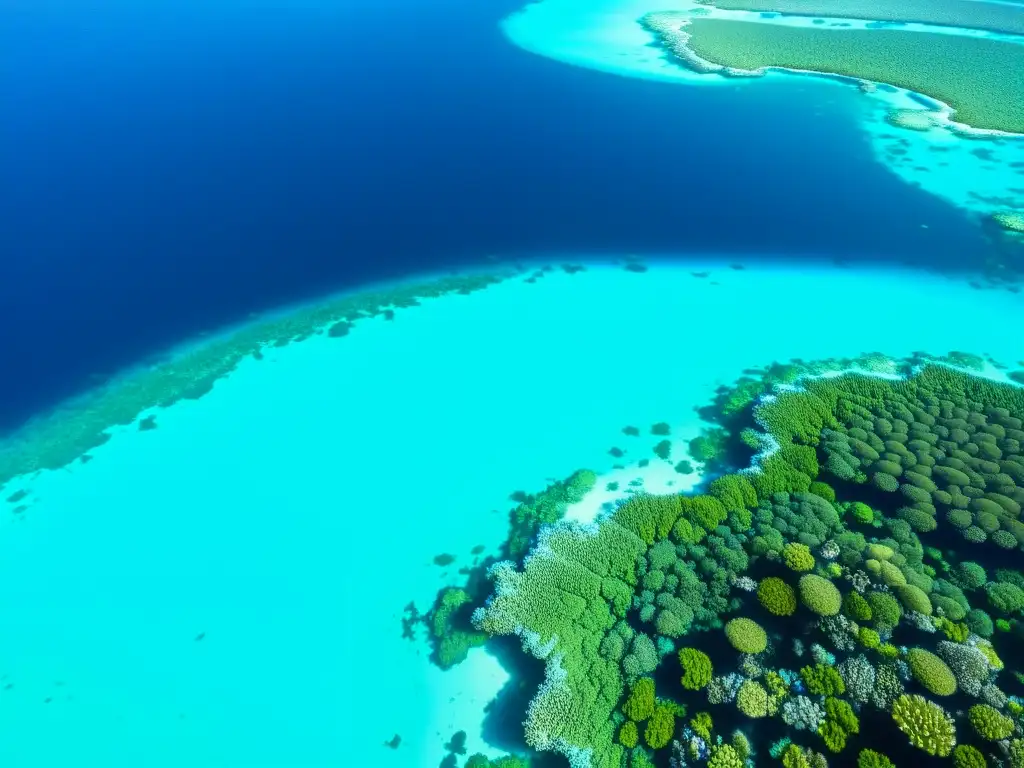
169,167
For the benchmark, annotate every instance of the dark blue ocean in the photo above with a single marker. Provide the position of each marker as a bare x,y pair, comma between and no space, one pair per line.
170,167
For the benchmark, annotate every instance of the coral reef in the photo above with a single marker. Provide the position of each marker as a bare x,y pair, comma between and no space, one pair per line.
927,725
822,585
983,96
992,17
911,119
56,440
1012,221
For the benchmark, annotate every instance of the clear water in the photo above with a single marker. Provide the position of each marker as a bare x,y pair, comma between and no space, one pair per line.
228,588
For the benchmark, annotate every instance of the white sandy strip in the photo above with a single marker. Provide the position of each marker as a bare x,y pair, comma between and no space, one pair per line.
815,22
658,476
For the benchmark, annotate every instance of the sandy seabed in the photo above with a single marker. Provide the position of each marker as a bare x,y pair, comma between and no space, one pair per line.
227,588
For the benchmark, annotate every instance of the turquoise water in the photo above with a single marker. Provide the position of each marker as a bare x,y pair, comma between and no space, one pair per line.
227,588
227,581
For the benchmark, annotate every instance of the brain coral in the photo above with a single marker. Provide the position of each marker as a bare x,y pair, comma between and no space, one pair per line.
885,609
746,635
914,599
820,595
777,596
931,672
753,701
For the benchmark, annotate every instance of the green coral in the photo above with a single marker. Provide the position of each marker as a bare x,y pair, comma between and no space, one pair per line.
876,551
451,632
970,575
709,446
864,515
820,595
798,557
660,727
701,724
775,684
927,725
557,605
794,757
886,572
1015,753
889,651
986,649
534,512
823,680
639,705
856,607
734,491
966,756
746,635
885,609
826,491
753,700
1004,597
868,637
931,672
705,512
724,756
741,745
508,761
833,736
989,723
628,734
869,758
957,632
697,669
777,596
841,713
649,517
798,757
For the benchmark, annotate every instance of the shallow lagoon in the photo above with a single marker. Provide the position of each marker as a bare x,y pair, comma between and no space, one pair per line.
980,174
227,588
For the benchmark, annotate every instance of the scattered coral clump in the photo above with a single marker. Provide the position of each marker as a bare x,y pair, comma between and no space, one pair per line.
927,725
931,671
820,595
1012,221
696,668
777,596
746,636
